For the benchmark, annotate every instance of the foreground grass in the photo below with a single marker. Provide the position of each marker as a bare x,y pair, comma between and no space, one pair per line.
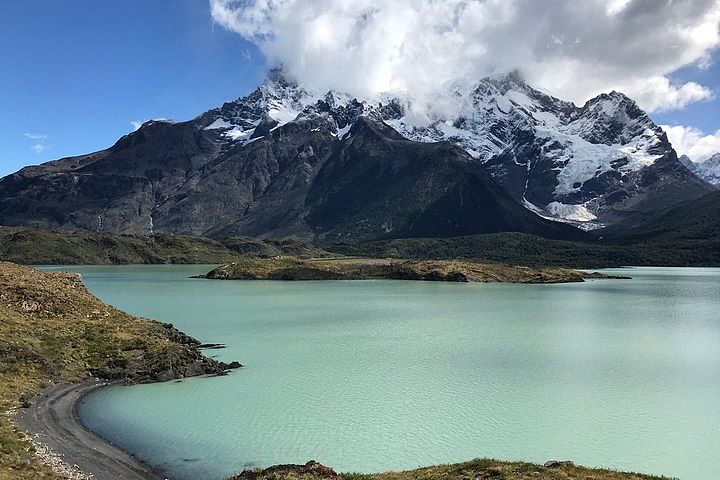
290,268
53,330
474,470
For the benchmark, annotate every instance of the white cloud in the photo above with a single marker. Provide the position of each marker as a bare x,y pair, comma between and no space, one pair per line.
658,94
39,139
136,124
35,136
575,50
692,142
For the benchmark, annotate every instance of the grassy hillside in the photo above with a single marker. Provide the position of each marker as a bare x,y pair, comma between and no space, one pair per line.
531,250
677,237
695,220
30,246
53,330
476,469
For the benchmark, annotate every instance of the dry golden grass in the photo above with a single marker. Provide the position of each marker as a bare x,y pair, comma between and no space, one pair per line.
53,330
480,469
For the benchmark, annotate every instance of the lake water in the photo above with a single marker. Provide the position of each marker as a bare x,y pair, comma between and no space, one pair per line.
376,375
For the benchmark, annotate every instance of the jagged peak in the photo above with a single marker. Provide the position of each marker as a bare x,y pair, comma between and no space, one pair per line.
276,75
502,83
612,102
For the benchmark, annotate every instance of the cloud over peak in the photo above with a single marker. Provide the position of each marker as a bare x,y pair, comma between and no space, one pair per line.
574,50
692,142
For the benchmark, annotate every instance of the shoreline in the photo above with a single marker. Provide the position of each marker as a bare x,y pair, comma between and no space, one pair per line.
53,422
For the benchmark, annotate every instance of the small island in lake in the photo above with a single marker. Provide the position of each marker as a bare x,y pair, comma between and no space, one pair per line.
292,268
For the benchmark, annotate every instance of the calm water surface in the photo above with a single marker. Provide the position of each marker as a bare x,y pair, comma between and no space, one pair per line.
375,375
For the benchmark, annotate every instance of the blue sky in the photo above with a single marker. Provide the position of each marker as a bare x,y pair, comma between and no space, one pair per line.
704,115
75,74
78,72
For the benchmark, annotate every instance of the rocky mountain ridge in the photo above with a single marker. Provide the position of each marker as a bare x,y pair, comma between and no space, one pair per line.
709,170
282,162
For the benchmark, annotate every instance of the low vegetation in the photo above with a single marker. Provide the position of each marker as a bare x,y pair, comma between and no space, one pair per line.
53,330
29,246
476,469
531,250
688,246
290,268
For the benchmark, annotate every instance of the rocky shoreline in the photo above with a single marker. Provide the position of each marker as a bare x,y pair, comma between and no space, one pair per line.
54,334
62,442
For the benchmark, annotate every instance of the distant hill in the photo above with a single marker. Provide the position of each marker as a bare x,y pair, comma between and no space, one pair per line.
33,246
694,220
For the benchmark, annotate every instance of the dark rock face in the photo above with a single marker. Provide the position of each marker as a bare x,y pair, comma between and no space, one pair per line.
380,185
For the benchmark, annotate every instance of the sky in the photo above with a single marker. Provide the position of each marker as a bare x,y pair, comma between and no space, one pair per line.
75,76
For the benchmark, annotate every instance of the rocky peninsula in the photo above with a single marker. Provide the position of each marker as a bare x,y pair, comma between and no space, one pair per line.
292,268
54,333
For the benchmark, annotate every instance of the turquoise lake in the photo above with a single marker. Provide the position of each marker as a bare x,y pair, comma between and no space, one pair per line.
376,375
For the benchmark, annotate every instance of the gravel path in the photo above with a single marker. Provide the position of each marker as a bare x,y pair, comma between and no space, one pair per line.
67,446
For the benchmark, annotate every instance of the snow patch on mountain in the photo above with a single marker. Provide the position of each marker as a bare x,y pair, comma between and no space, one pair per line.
504,121
577,213
220,124
709,170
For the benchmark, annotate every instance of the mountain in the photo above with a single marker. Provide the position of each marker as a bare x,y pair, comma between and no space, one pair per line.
709,170
592,165
697,219
283,162
274,164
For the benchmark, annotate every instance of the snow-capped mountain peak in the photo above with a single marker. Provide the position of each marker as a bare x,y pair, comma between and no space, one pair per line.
549,153
562,161
709,170
277,101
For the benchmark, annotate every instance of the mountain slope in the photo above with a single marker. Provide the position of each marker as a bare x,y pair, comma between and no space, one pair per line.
694,220
379,184
709,170
282,162
270,165
590,165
